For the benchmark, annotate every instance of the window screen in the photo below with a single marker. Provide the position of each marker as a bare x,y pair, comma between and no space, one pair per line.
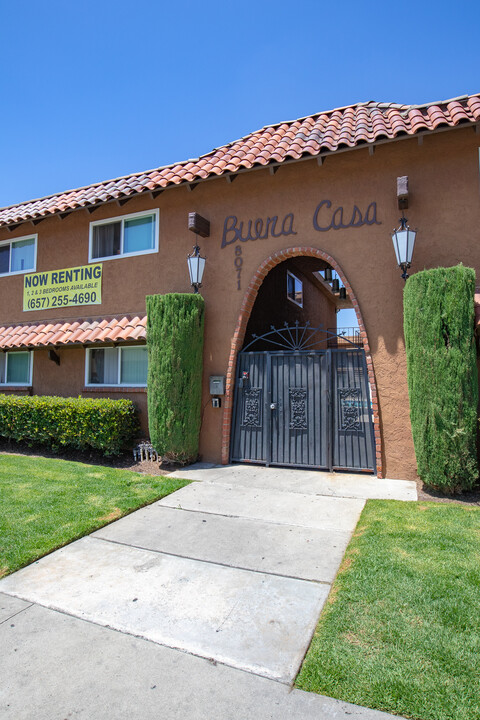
139,234
118,366
15,368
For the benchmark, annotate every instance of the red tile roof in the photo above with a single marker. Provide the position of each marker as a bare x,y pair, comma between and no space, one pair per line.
324,132
79,332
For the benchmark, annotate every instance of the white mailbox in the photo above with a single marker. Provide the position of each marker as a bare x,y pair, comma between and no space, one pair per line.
217,384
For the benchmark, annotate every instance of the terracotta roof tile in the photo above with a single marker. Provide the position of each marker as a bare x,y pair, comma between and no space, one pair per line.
327,131
77,332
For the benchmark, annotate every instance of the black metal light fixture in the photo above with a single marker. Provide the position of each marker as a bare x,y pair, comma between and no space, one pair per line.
335,285
403,239
328,274
196,266
196,263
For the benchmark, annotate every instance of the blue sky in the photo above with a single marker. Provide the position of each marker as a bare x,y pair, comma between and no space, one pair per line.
98,89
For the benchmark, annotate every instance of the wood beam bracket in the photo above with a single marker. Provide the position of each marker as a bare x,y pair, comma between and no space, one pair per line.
198,224
402,192
52,355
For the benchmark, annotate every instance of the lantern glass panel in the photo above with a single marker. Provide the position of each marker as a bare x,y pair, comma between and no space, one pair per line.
196,266
400,238
410,245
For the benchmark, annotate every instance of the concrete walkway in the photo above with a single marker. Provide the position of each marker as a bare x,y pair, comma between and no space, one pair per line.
200,605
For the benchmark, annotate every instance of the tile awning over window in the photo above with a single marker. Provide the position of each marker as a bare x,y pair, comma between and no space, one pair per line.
78,332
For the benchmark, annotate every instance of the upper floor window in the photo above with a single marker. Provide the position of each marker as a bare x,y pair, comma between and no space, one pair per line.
294,289
117,366
18,256
15,368
135,234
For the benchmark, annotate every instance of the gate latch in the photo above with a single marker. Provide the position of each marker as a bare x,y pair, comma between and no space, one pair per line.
273,406
243,382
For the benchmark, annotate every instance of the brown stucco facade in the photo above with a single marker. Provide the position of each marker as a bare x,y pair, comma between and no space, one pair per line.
443,172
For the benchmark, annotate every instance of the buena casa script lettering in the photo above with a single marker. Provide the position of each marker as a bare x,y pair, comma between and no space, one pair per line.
324,219
357,219
259,229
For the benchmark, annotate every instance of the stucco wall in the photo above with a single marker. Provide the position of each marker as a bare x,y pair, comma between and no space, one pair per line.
444,183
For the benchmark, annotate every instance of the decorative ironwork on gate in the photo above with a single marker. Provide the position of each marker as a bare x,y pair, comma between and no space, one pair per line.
302,338
252,407
298,408
350,399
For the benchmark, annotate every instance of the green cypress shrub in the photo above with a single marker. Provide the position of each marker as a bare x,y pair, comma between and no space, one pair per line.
175,363
442,375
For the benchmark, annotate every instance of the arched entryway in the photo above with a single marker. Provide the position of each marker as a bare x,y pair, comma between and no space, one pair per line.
245,316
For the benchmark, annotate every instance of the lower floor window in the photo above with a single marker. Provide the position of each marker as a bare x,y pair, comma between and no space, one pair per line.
16,368
117,366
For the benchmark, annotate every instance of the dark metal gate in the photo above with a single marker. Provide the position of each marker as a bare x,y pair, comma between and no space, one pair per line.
304,404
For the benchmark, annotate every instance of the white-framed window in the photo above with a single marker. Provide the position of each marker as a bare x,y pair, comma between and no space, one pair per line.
16,368
125,366
18,256
294,289
135,234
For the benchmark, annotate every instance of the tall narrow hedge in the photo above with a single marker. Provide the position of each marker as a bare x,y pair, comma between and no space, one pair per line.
175,363
442,375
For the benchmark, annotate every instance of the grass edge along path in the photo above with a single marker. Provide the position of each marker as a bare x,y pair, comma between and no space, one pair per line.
400,631
47,503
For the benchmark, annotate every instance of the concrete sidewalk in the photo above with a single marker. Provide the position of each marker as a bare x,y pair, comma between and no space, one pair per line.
200,605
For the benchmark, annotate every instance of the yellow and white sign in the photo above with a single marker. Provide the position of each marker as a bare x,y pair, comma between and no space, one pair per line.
63,288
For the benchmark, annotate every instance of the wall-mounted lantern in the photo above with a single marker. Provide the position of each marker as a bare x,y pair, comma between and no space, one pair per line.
196,263
404,242
196,266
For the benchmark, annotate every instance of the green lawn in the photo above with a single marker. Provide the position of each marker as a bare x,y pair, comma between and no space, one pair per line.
46,503
401,628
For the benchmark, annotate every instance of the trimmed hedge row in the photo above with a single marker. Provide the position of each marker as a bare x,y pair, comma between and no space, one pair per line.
442,375
175,363
81,423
